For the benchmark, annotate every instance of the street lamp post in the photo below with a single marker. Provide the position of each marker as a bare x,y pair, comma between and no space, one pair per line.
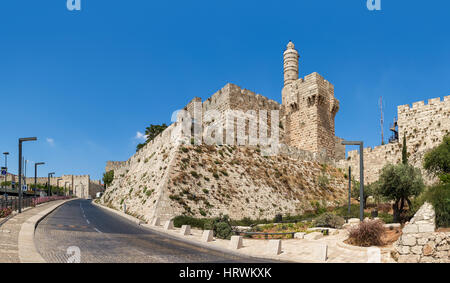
35,176
349,191
48,184
65,188
361,175
6,168
21,140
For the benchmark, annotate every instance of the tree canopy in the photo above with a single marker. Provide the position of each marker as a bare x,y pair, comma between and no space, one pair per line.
151,133
399,183
437,161
108,177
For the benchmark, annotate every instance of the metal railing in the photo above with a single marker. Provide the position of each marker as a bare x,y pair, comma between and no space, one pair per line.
12,203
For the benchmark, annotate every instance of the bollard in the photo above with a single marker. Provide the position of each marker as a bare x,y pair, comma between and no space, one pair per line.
168,225
320,252
236,242
185,230
207,236
156,221
274,247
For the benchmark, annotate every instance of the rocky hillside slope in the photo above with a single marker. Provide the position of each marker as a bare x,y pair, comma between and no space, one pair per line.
166,180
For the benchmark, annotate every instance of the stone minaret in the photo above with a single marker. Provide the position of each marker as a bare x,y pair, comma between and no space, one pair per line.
290,64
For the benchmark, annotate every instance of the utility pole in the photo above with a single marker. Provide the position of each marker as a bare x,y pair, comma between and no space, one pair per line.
6,175
349,190
21,140
382,120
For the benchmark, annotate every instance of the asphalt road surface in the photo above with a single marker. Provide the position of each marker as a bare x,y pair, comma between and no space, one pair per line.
102,236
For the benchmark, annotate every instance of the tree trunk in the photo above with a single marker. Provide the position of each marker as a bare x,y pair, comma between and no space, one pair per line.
396,211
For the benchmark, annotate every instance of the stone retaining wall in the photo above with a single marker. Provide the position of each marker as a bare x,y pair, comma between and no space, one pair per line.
420,242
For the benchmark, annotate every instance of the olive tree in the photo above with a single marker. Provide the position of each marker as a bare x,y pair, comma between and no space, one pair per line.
437,161
108,177
399,183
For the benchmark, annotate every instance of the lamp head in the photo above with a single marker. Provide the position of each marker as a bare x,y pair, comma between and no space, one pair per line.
27,139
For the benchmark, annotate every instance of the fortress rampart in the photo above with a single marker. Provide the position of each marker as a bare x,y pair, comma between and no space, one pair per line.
424,126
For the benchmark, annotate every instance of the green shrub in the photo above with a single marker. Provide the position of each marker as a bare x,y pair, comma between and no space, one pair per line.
386,217
181,220
221,227
329,220
323,181
439,197
278,218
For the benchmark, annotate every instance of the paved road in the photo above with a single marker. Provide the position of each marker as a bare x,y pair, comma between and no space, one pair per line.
103,236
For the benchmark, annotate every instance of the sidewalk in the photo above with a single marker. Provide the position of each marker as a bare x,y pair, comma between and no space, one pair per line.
9,232
293,250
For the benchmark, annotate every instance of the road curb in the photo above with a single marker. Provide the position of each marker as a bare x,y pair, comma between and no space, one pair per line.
27,250
120,213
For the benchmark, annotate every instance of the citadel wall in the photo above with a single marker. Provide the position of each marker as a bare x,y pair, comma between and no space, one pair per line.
424,125
80,185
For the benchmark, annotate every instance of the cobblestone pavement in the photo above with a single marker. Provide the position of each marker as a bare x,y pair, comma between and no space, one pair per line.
103,236
9,233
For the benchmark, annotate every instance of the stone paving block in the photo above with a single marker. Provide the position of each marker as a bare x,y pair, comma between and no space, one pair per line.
185,230
274,247
410,228
207,236
236,242
426,228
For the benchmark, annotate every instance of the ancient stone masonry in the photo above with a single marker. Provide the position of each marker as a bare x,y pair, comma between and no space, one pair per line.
80,185
305,118
424,126
419,241
181,172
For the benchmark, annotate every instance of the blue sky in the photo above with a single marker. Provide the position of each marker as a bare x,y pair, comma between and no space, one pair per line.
85,82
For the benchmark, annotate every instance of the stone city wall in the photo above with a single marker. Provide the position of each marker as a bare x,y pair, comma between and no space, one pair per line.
419,241
424,125
81,185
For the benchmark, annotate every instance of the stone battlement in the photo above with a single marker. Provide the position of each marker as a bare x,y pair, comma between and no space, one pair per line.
423,125
421,104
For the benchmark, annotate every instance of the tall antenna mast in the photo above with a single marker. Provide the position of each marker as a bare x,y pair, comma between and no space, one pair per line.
381,120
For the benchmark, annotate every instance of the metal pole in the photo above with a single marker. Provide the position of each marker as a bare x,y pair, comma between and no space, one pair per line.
361,175
361,182
48,185
35,179
20,176
6,176
349,190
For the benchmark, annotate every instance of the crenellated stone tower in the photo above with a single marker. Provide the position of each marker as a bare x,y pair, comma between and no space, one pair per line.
310,108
